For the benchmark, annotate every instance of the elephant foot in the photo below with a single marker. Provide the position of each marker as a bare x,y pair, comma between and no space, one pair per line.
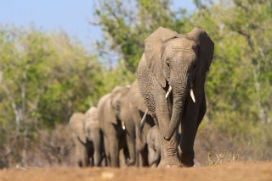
169,154
187,159
130,162
170,162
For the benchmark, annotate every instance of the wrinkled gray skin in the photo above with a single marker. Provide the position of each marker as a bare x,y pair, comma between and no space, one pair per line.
113,134
179,61
154,146
131,108
87,137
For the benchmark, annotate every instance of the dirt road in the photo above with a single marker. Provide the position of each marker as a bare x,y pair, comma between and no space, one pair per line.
249,171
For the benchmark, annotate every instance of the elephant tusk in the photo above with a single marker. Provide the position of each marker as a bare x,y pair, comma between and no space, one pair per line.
123,126
143,119
192,95
168,92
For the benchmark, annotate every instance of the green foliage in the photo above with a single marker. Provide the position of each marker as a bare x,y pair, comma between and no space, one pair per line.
239,82
242,32
127,23
46,77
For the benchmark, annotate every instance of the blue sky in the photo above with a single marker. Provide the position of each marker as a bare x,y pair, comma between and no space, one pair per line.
71,16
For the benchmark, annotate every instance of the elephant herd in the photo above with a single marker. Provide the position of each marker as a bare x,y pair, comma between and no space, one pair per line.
153,121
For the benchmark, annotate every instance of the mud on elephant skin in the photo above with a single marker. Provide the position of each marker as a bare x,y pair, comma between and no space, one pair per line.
171,76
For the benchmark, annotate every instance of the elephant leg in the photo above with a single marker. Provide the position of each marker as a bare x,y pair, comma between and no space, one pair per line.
97,147
90,153
144,156
97,153
169,154
114,150
153,157
141,145
107,149
187,143
189,126
130,137
81,154
141,150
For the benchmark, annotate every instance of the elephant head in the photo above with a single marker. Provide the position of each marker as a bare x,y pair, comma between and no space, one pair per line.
116,99
77,125
90,122
179,63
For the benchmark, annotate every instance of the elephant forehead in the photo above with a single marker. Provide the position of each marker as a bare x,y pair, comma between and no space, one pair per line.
182,44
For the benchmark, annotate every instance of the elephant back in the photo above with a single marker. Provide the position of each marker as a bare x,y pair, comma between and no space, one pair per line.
91,114
75,119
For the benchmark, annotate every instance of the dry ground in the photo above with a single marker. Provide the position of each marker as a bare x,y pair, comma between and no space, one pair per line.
237,171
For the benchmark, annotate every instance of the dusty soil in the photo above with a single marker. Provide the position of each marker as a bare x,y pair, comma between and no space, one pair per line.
225,172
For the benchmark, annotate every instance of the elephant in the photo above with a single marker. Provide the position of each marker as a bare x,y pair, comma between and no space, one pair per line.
93,134
82,147
171,76
112,128
153,145
130,110
87,137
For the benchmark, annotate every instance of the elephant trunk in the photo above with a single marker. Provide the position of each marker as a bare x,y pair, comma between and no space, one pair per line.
180,92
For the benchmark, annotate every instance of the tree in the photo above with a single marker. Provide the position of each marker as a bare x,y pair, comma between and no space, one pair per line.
127,23
242,32
46,77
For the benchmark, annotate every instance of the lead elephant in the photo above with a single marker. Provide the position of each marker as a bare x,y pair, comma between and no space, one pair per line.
171,76
87,137
113,131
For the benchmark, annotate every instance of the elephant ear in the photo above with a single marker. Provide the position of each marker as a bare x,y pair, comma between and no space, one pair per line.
77,125
153,52
114,102
206,48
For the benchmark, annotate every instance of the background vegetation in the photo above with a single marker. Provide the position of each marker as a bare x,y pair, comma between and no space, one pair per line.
46,76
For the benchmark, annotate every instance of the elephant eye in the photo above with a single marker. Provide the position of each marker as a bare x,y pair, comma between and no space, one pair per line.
118,105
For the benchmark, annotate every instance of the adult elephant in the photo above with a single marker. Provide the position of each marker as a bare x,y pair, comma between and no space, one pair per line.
87,137
172,67
113,128
94,136
130,108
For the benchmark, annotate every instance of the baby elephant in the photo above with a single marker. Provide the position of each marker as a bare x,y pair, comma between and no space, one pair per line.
154,146
87,137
